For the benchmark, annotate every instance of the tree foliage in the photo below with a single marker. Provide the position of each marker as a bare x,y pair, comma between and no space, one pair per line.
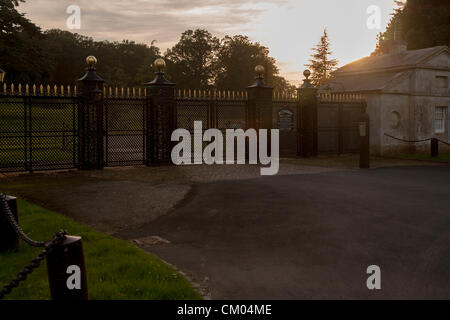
198,61
21,53
422,23
193,60
321,66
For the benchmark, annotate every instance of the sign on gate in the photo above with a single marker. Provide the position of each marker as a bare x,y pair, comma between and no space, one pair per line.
285,120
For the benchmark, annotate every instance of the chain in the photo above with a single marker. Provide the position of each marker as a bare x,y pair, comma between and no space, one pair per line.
4,207
34,264
403,140
444,142
57,240
415,141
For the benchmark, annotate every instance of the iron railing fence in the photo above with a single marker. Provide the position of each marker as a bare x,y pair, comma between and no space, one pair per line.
38,133
39,124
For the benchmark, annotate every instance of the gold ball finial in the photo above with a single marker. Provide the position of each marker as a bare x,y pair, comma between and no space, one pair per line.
259,69
91,61
159,64
307,74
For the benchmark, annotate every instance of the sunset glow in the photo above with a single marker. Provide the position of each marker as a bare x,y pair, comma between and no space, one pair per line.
288,27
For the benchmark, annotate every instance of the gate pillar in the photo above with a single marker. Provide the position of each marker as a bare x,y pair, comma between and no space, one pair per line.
260,99
161,118
90,119
308,133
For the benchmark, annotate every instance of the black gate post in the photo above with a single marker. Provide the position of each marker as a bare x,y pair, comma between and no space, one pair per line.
434,147
260,98
161,118
308,133
260,106
90,119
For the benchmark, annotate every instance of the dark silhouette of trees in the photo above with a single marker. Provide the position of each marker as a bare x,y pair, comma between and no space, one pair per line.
422,23
193,60
21,53
198,61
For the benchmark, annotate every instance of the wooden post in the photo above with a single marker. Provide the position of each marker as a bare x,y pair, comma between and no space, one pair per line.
66,271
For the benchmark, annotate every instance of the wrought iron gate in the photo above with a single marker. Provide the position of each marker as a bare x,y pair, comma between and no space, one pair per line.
338,127
125,131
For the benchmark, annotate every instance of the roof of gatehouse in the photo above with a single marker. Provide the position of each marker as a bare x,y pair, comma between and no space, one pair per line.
376,73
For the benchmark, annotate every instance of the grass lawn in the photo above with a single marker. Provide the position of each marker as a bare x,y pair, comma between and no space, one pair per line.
116,269
443,157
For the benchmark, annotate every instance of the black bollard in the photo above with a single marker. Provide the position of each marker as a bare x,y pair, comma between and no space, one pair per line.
434,148
364,133
9,240
67,271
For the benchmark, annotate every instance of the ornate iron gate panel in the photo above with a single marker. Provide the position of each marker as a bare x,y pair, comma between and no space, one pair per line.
338,127
231,114
220,114
351,115
38,133
54,134
191,110
328,128
125,131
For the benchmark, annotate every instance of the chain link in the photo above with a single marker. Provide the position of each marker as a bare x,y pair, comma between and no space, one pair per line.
57,240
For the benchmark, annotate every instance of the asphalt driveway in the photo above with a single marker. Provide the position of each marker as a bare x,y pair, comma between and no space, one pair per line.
313,236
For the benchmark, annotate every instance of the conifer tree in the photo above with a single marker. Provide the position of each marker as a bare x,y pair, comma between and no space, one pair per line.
321,66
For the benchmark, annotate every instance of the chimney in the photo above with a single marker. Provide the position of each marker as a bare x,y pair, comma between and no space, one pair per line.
398,45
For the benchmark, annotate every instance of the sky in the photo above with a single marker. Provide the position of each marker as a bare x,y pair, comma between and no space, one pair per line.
289,28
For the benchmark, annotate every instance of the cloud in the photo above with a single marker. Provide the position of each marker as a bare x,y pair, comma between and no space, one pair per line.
147,20
290,28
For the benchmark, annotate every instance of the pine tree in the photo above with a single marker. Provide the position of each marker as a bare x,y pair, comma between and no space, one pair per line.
320,65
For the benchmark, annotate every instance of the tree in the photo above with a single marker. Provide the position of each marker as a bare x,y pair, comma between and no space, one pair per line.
198,61
280,84
22,55
422,23
192,62
237,59
320,65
